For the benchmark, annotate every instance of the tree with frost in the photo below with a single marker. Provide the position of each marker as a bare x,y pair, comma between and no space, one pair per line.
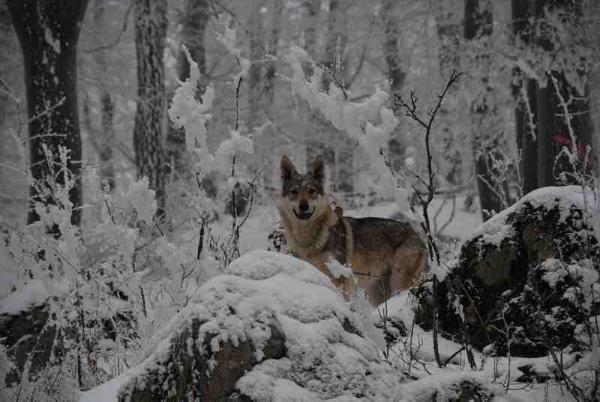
105,141
194,23
487,133
48,32
524,92
562,57
150,36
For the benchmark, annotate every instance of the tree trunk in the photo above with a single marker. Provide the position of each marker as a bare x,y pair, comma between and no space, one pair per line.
195,18
265,141
552,128
487,147
271,67
150,33
107,108
311,10
257,55
48,32
396,77
524,92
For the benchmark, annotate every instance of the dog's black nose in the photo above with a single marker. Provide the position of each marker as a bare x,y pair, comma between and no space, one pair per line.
303,206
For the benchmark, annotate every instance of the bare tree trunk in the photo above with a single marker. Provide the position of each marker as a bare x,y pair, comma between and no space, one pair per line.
196,15
150,33
48,32
269,87
524,92
487,146
448,21
448,16
107,108
271,68
552,130
396,77
257,55
311,10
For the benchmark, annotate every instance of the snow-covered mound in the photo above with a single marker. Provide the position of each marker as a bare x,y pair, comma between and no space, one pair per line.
530,271
272,328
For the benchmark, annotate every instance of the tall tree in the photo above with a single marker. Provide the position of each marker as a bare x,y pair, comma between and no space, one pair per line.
265,141
48,32
524,91
552,126
194,20
107,105
255,71
395,75
487,143
150,35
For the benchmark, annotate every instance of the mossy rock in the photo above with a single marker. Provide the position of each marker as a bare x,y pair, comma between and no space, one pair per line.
498,282
200,373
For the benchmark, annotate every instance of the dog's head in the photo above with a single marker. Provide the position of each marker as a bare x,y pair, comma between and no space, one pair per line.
303,194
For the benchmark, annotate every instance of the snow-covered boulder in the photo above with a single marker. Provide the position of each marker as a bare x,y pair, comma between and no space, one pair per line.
22,331
528,275
272,328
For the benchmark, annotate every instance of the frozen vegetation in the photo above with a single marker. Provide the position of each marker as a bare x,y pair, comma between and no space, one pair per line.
152,264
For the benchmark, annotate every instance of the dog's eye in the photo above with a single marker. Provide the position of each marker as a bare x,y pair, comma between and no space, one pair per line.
294,192
312,192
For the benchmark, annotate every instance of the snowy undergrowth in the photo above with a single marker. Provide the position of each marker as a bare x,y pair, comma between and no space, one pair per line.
513,379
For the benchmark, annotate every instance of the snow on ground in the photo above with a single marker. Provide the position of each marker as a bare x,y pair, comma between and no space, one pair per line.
491,370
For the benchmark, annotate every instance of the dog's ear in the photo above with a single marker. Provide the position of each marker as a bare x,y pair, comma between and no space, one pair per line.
318,169
287,169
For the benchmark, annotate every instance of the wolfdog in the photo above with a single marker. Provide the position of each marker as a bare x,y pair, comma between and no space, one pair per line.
384,255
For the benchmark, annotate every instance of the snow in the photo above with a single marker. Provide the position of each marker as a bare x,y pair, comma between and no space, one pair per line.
32,294
187,112
338,270
496,229
256,289
369,122
51,40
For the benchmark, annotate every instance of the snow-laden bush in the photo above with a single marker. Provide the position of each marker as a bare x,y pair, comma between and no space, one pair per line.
77,305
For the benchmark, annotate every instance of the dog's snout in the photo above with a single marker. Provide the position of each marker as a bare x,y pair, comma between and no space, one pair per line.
303,206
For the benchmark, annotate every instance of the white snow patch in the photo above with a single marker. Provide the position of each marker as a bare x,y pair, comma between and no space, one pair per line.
33,293
51,40
338,269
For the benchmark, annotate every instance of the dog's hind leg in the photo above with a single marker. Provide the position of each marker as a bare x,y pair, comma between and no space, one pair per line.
409,263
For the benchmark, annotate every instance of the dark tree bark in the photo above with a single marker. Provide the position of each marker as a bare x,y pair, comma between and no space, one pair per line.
552,130
272,50
487,147
524,91
150,33
107,108
48,32
196,15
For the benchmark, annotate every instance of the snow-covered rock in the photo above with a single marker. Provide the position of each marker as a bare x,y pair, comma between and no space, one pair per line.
272,328
22,331
521,273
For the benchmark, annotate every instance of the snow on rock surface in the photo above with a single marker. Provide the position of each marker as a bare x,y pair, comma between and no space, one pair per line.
520,270
273,322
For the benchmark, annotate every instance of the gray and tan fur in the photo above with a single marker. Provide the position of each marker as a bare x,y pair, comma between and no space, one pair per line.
385,255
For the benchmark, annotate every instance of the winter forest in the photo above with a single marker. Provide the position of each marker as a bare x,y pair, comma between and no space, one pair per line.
299,200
